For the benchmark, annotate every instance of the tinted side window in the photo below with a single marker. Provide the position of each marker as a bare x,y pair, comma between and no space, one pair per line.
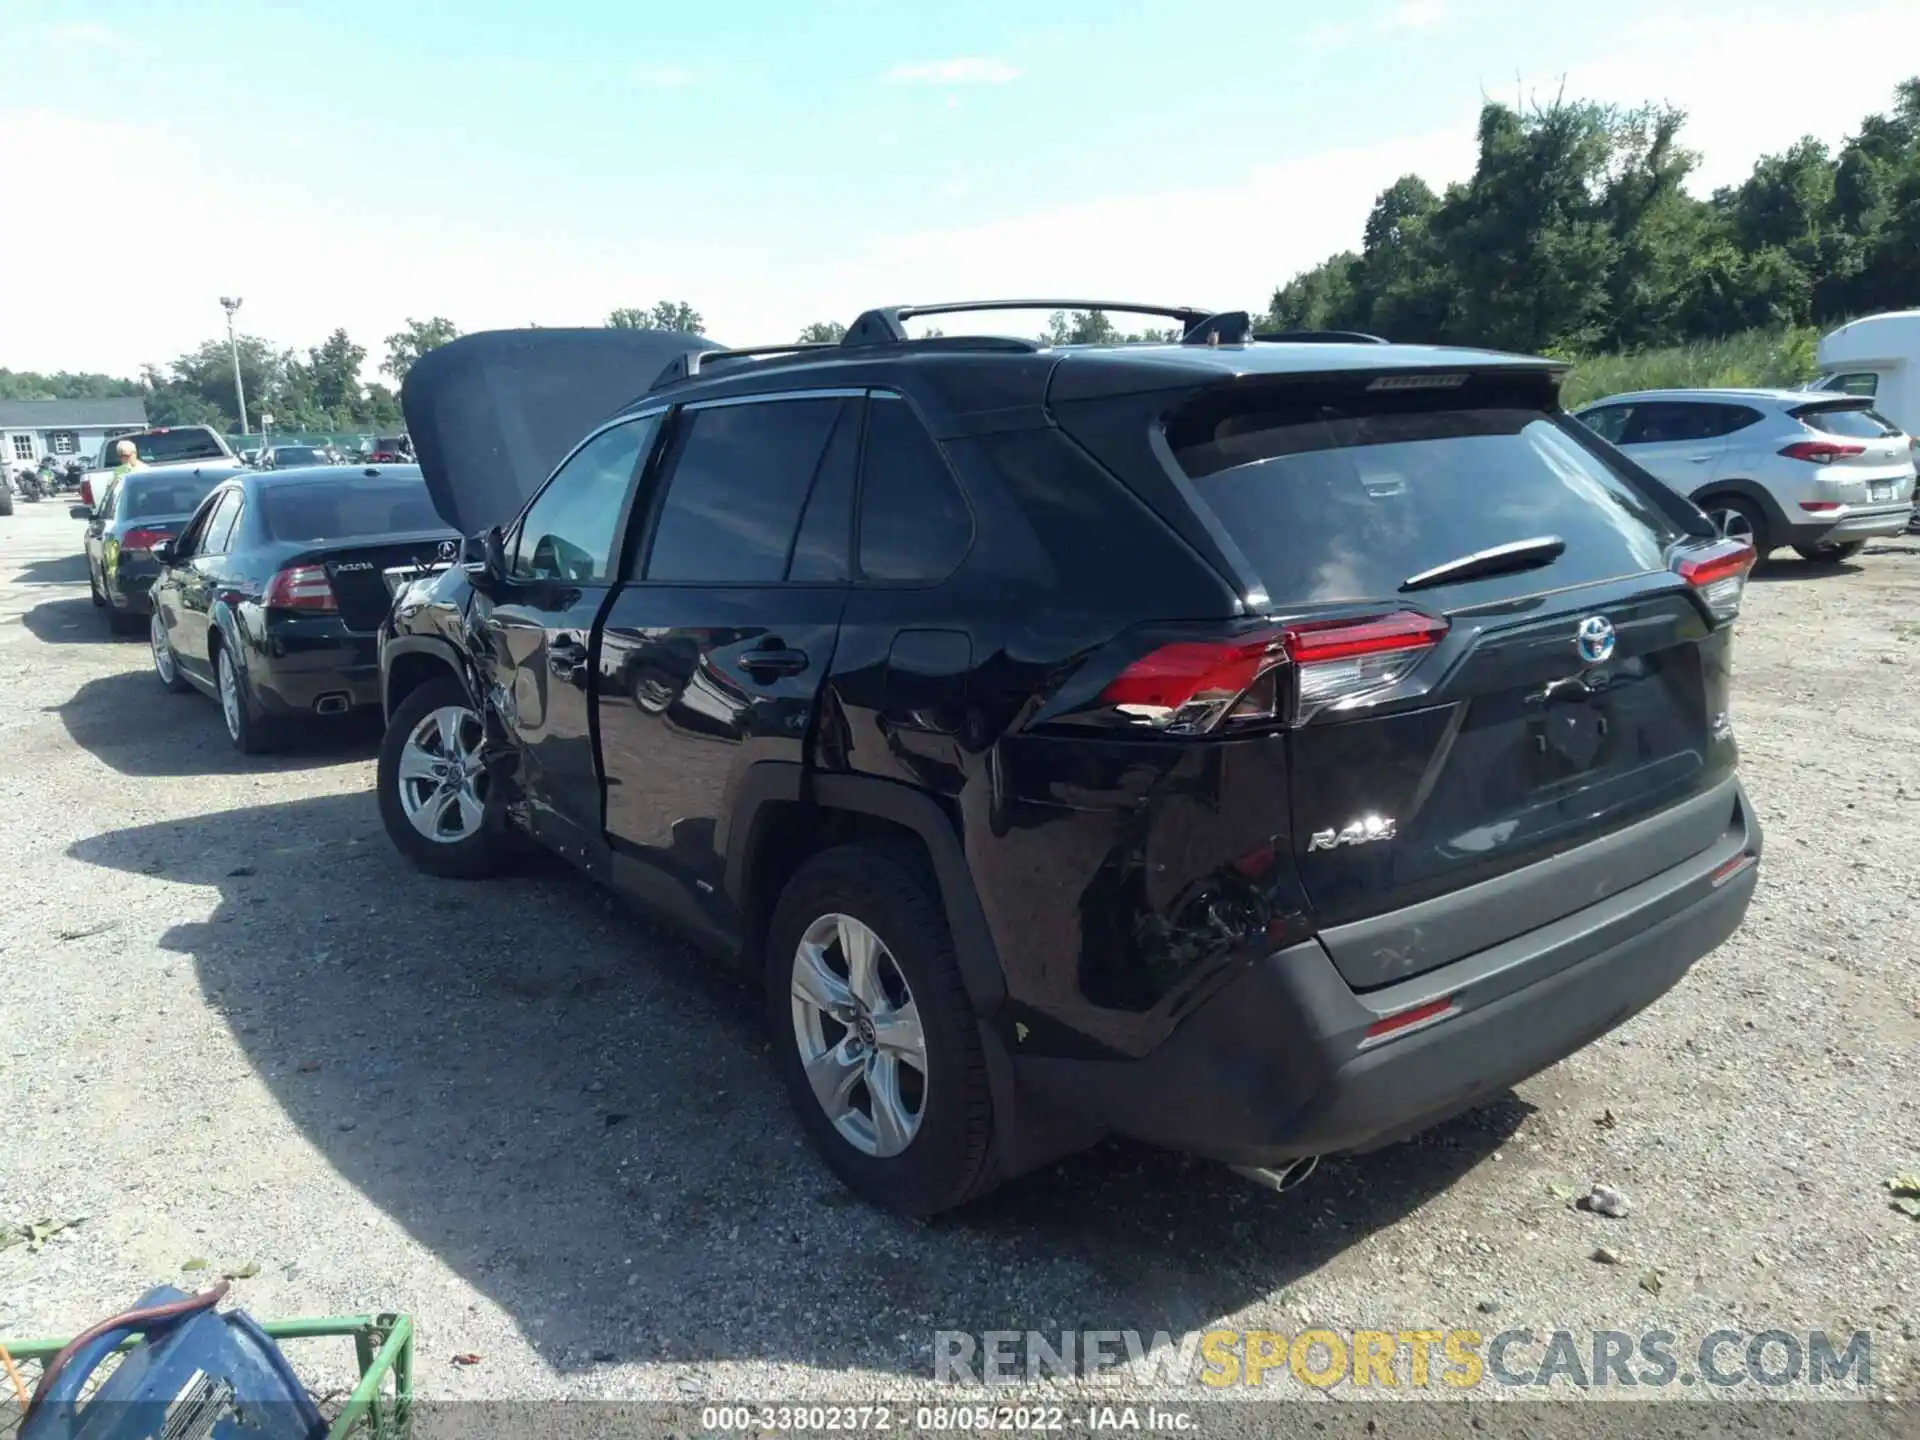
740,478
914,522
568,532
1609,422
220,526
822,548
105,511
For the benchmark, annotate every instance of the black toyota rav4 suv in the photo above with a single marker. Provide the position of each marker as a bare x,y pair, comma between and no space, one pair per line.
1260,748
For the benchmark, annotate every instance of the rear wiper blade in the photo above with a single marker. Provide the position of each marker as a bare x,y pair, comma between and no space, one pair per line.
1500,560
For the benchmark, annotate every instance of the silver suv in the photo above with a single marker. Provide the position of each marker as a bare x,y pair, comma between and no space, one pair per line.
1820,472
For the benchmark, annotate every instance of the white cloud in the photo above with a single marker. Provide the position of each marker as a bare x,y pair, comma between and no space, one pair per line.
967,70
662,75
1418,15
84,35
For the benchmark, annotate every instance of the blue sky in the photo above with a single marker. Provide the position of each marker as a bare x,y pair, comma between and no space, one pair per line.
353,163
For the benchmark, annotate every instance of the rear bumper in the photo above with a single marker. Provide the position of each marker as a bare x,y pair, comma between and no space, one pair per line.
1860,522
131,592
309,661
1277,1064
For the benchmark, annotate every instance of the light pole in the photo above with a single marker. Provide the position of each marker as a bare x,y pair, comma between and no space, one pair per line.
231,303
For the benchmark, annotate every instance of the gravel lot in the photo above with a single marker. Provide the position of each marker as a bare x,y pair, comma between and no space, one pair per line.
235,1028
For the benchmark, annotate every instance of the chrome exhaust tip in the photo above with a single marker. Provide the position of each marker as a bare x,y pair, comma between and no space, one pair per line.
336,703
1287,1177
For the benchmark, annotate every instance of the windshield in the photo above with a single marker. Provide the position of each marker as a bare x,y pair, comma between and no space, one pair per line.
157,446
311,510
147,499
1331,505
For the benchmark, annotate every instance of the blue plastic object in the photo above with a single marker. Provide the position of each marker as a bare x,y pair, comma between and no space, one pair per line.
206,1376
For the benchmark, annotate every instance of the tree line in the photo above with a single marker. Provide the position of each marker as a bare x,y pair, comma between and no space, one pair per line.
1575,235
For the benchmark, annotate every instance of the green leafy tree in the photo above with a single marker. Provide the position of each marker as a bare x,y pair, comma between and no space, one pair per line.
823,332
415,339
661,315
63,385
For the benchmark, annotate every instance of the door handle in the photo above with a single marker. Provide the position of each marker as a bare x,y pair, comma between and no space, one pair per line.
564,659
1699,459
773,660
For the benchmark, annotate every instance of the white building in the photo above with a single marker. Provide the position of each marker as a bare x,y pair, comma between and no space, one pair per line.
64,429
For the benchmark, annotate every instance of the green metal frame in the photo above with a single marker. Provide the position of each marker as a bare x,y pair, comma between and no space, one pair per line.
383,1344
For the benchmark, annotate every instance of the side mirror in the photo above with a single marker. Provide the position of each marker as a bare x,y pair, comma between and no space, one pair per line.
484,558
163,552
80,512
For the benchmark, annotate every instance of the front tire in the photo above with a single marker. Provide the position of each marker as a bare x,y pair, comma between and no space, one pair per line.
1830,554
873,1033
435,799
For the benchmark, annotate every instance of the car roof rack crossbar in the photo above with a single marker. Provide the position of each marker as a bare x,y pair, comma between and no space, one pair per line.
1322,337
885,326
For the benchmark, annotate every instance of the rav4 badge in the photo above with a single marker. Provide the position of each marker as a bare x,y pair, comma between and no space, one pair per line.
1360,832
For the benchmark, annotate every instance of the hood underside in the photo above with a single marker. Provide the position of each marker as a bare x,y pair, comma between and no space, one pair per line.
492,413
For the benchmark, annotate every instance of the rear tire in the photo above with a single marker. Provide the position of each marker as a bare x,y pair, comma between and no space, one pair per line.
1830,554
250,733
166,664
1740,519
438,724
907,1142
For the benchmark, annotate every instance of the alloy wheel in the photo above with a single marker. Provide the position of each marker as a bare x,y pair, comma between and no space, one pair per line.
1732,524
230,701
163,656
859,1035
443,782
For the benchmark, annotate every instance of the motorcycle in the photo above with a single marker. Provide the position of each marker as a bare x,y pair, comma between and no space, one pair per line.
27,482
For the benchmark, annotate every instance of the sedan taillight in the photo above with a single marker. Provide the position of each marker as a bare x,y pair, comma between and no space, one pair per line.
143,538
301,587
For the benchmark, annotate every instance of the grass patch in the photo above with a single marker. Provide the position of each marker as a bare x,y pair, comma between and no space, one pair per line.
1764,358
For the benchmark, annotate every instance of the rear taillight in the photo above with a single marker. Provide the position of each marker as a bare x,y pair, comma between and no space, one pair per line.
1719,573
1822,452
301,587
141,538
1190,686
1338,660
1193,687
1819,507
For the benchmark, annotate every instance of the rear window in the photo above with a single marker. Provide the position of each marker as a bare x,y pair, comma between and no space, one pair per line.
159,446
1335,504
139,499
322,510
1856,422
296,455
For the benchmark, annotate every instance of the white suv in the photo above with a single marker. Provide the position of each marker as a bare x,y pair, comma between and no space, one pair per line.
1818,471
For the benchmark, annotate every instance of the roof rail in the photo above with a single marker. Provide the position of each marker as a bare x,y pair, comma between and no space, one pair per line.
1322,337
885,326
694,361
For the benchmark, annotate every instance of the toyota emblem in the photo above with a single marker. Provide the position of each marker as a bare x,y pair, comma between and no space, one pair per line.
1594,639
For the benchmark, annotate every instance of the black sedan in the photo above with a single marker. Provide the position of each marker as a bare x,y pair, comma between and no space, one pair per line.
271,597
139,511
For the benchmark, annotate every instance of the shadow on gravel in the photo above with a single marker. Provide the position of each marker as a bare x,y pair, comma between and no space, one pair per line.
1799,569
62,570
71,622
575,1113
128,721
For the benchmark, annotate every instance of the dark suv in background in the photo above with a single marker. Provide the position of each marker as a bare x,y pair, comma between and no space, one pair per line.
1257,749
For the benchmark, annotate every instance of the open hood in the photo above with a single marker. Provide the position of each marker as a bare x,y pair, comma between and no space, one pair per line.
492,413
